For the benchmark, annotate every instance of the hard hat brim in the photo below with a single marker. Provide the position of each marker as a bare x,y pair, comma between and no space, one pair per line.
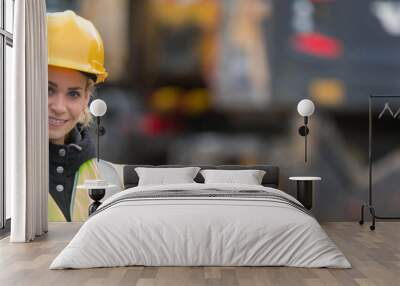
101,75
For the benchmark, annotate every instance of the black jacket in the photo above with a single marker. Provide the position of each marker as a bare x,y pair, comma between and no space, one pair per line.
65,161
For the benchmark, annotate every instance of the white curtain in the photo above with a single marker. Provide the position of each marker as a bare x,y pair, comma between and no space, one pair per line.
26,123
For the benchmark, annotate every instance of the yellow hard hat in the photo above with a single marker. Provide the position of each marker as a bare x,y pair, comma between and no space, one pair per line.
74,43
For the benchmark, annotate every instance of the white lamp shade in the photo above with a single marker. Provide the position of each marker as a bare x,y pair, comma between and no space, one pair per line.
305,107
98,107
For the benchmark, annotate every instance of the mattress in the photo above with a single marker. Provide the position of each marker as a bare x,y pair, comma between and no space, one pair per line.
201,225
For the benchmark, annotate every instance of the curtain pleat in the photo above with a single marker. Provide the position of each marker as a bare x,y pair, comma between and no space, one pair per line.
44,129
15,126
28,133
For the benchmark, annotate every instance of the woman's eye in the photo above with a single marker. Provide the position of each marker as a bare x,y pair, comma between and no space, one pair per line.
74,94
51,90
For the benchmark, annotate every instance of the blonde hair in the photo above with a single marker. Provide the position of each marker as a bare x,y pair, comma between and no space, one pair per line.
86,117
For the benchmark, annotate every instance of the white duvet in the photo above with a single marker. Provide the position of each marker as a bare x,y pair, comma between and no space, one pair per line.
200,231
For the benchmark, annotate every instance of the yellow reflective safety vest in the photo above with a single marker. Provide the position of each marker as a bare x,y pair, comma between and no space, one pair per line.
80,200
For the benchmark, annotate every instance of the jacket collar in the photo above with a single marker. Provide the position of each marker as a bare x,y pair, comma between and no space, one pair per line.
78,149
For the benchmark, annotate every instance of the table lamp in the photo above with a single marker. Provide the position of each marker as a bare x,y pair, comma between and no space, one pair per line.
98,108
305,108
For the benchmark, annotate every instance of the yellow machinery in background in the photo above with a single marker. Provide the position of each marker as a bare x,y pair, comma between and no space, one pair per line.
166,16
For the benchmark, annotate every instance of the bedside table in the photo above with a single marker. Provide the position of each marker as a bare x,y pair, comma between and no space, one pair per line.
305,189
97,190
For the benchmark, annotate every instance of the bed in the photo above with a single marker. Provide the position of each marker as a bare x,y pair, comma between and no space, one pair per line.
201,224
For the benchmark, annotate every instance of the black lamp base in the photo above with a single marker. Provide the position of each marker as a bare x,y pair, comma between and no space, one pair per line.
96,195
101,131
304,131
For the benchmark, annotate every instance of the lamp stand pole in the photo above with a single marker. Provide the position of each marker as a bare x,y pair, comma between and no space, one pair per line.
305,138
98,138
303,131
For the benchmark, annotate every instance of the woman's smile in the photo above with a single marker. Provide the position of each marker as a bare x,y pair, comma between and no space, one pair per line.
56,122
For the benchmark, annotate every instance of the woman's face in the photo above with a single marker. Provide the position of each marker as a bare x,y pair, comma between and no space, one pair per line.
68,97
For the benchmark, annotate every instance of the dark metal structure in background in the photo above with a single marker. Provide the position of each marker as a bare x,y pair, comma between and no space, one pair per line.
369,205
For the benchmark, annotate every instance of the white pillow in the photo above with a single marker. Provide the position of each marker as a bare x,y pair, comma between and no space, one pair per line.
248,177
164,176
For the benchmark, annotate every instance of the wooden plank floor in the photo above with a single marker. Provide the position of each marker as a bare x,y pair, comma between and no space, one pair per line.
375,257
